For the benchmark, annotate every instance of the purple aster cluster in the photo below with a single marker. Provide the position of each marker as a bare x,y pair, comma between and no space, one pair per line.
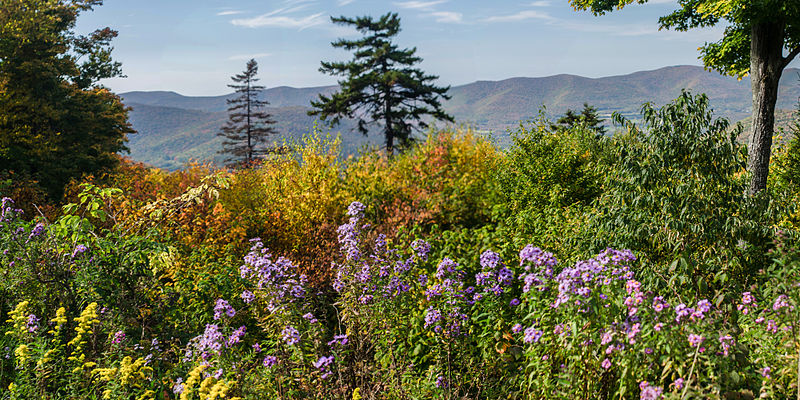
32,325
538,266
577,283
236,336
277,280
270,361
79,250
36,232
323,364
532,335
338,340
118,338
291,335
248,296
421,249
649,392
7,211
374,276
781,302
695,340
223,308
725,342
210,342
494,277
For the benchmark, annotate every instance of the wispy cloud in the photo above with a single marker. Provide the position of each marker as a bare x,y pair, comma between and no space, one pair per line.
447,17
280,19
419,5
245,57
344,2
229,12
521,16
542,3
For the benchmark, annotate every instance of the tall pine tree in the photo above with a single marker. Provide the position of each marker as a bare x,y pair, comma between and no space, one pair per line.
248,125
380,85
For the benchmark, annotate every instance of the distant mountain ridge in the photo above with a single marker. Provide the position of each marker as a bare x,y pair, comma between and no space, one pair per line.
174,129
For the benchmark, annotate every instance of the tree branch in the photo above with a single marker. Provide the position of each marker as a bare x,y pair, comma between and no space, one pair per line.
791,56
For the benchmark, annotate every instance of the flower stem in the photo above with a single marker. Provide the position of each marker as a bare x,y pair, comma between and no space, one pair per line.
691,371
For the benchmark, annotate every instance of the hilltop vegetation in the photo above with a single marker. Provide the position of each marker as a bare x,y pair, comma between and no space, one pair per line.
487,106
453,270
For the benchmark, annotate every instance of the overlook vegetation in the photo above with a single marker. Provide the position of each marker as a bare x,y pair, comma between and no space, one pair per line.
572,263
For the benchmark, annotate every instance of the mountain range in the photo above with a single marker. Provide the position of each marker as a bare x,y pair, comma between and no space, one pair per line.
174,129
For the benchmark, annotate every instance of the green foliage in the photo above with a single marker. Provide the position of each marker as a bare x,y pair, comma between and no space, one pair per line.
381,83
676,196
587,119
56,123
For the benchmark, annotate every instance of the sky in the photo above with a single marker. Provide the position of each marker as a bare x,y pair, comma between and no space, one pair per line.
194,46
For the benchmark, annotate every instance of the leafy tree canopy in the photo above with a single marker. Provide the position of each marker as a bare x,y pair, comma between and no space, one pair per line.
731,54
56,122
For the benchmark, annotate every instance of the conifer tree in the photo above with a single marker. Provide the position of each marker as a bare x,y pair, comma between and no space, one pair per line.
380,85
587,119
248,125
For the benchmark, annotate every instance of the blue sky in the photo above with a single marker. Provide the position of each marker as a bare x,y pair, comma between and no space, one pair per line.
193,47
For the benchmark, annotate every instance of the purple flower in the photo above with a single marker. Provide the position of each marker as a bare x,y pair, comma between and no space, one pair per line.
222,307
356,210
725,341
237,335
678,383
517,328
290,335
257,348
365,299
421,249
310,318
79,249
695,340
270,361
606,364
682,311
765,372
747,298
210,341
781,302
441,382
119,336
248,296
33,323
659,304
340,340
649,392
36,231
514,302
323,365
532,335
432,317
448,268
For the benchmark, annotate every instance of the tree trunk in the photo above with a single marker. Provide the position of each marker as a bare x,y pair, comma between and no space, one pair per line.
388,129
766,67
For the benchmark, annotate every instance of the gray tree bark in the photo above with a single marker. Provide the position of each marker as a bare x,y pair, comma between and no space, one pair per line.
766,66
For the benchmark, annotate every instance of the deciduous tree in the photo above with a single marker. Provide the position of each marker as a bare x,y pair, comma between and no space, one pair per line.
56,122
761,38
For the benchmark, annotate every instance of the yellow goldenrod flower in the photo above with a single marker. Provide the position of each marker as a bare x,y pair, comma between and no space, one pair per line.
22,353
